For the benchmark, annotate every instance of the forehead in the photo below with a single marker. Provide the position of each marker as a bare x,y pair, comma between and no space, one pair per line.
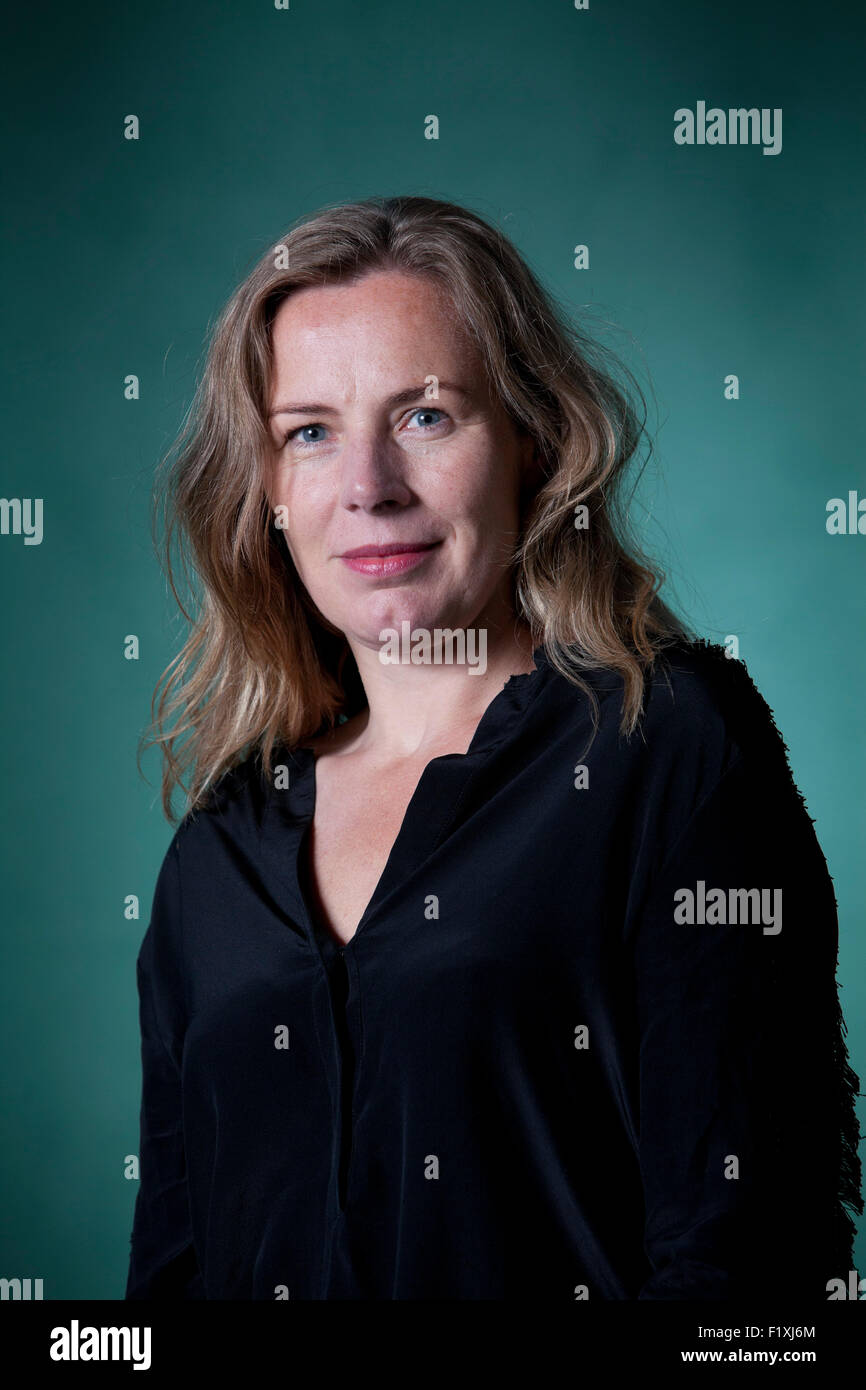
386,316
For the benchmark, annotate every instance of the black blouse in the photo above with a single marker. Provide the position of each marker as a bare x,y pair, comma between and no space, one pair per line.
567,1053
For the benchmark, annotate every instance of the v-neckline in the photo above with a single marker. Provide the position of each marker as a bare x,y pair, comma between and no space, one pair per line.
321,930
418,836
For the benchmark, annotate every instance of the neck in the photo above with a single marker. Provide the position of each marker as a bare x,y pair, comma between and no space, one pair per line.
415,710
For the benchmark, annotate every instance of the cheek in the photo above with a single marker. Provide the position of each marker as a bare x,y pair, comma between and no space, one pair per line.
304,535
304,505
489,481
491,505
295,558
472,482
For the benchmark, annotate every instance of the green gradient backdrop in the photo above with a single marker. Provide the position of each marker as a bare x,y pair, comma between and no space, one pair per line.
557,124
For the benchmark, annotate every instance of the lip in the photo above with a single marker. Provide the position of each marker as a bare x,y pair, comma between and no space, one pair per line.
388,548
389,557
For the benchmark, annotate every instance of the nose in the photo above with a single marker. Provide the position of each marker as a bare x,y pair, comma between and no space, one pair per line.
372,472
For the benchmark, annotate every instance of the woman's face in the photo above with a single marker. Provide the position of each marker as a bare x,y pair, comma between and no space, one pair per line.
363,459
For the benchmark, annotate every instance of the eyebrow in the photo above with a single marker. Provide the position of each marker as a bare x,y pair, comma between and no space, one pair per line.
411,393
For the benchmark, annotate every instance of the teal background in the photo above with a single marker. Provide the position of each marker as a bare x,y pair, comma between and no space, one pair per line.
558,125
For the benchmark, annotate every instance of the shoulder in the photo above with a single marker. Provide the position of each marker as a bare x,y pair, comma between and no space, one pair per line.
708,692
697,692
694,696
233,807
702,705
702,715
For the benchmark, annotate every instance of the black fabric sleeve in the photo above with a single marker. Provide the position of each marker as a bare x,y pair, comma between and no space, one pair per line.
163,1262
748,1136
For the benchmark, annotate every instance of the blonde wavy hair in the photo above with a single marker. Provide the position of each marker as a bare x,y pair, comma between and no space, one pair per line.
261,666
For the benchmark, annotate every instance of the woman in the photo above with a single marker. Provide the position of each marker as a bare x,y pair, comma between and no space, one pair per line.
505,969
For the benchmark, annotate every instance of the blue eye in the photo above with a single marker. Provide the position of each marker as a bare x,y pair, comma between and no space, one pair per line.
428,410
296,435
304,442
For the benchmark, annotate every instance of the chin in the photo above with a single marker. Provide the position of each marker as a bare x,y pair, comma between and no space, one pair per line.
394,615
